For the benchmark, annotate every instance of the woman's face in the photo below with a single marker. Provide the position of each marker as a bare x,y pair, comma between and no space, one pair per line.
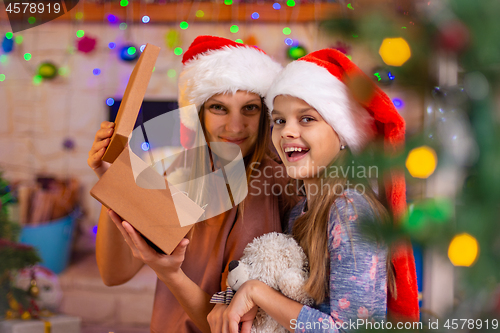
305,142
233,118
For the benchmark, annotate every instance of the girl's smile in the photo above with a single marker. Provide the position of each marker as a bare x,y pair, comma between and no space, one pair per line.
305,142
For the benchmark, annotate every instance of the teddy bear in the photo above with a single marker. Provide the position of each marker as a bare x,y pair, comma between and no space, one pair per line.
277,260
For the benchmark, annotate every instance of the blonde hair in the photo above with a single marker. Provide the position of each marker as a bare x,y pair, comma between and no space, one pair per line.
310,229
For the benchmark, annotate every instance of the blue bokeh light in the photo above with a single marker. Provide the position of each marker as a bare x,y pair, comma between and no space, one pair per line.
111,45
145,146
110,101
96,71
112,18
255,15
398,103
145,19
276,6
288,41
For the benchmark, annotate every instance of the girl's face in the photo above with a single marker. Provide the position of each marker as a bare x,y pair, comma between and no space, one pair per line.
305,142
233,118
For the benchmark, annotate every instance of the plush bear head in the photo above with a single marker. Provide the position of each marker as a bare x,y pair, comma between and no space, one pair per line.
275,259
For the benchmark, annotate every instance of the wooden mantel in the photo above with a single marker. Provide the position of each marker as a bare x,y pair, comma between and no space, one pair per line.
212,12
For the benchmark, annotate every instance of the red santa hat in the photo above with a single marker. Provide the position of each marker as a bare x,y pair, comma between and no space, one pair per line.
358,110
215,65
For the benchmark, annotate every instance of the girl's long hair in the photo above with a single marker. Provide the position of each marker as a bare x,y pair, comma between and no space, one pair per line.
310,229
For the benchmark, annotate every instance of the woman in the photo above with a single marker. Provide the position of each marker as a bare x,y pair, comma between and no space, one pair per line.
226,81
317,124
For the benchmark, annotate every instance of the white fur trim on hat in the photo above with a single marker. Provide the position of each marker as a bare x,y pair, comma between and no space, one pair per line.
224,70
329,96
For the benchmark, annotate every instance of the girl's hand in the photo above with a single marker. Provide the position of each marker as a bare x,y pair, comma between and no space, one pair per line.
165,266
101,142
242,309
215,318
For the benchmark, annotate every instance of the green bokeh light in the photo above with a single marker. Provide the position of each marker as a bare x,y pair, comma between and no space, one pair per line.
79,15
124,3
290,3
31,20
296,52
234,29
123,26
131,50
27,56
287,31
200,13
3,58
9,35
184,25
37,79
2,77
19,39
80,33
171,73
228,2
239,41
350,6
62,71
178,51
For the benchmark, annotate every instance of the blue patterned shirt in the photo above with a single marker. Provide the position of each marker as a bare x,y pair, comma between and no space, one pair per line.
358,272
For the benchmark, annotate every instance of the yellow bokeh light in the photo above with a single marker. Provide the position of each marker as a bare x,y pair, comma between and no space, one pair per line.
394,51
463,250
421,162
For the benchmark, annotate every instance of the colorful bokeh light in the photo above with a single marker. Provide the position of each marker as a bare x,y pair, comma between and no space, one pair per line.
178,51
395,51
171,73
421,162
463,250
398,103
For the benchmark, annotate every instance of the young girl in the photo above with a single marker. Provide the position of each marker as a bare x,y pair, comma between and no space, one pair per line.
323,109
226,81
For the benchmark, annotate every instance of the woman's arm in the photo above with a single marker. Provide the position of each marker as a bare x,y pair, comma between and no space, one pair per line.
115,260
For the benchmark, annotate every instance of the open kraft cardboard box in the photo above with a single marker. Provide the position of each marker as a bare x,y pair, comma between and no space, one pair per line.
131,187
